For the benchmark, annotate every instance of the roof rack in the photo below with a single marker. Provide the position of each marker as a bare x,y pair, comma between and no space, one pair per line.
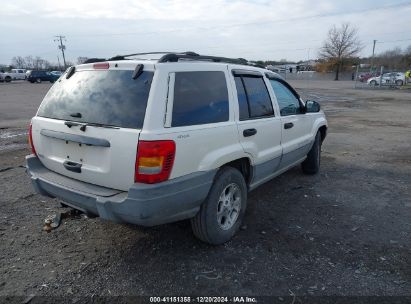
123,57
175,57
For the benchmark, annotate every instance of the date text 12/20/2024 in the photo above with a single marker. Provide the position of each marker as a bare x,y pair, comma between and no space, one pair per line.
203,300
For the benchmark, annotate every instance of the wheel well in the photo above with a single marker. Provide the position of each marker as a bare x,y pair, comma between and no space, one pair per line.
323,132
243,165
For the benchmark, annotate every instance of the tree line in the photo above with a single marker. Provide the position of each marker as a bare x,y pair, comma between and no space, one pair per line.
35,63
338,53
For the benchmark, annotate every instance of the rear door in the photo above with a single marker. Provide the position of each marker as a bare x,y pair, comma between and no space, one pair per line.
259,129
296,127
88,126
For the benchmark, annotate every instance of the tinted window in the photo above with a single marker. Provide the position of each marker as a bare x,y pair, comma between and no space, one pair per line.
242,99
103,97
38,73
255,93
199,98
287,101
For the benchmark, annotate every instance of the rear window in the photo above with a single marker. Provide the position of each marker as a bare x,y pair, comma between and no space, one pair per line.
199,98
102,97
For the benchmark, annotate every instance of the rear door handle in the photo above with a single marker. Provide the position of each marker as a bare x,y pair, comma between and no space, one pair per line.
249,132
72,166
288,125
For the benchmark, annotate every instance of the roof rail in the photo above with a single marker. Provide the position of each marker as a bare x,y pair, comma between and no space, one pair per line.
92,60
174,57
123,57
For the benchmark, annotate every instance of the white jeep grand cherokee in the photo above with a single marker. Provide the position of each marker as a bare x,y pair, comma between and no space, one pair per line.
182,137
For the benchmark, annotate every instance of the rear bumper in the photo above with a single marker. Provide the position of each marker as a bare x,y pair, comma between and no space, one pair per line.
143,204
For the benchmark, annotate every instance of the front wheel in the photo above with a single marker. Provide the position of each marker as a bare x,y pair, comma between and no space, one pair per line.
38,80
373,83
222,212
399,82
311,165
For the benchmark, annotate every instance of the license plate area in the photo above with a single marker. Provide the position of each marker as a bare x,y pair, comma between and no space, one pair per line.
74,152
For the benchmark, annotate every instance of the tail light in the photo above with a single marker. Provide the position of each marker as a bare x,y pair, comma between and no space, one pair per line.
33,150
154,161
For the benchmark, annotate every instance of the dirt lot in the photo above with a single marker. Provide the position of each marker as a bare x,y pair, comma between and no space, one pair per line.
345,231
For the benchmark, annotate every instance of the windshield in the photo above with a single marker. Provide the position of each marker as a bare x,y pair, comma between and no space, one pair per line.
100,97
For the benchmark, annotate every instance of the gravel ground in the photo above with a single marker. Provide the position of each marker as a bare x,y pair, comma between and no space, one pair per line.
345,231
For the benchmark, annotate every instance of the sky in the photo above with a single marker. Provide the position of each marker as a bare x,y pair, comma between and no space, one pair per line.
251,29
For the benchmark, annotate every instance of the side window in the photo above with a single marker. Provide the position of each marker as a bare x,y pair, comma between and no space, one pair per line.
242,99
253,98
199,98
287,101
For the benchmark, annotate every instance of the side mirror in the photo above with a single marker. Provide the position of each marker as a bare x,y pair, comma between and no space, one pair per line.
312,106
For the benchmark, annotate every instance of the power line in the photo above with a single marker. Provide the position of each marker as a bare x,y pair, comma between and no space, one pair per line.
399,40
322,15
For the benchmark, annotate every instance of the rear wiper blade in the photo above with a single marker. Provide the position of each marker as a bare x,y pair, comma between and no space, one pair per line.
83,126
72,123
93,124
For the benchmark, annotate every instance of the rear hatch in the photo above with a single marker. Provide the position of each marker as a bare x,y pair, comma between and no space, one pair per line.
88,125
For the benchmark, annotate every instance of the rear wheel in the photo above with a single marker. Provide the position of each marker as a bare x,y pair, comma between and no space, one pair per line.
373,83
38,80
311,165
399,82
7,79
222,212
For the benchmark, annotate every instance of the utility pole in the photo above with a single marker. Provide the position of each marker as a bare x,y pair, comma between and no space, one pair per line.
58,60
62,47
372,58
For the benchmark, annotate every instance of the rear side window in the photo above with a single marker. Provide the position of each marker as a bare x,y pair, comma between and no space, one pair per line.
103,97
253,98
199,98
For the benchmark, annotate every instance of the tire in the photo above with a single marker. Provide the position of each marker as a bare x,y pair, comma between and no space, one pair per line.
7,79
399,82
38,80
213,226
311,165
373,83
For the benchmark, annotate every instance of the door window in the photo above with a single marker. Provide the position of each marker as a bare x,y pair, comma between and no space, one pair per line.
287,101
253,98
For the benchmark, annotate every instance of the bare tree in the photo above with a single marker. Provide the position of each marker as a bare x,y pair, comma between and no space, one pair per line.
341,43
18,62
29,62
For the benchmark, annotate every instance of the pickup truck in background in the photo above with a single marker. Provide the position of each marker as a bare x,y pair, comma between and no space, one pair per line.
14,74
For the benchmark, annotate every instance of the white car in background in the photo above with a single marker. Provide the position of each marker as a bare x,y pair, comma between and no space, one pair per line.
393,78
14,74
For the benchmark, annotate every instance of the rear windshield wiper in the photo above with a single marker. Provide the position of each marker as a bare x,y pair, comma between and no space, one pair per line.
83,126
100,125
